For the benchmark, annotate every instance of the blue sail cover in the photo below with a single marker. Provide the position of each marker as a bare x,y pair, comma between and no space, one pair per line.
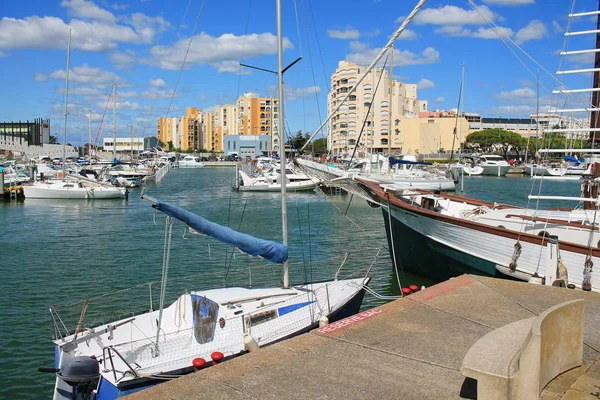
272,251
393,161
573,159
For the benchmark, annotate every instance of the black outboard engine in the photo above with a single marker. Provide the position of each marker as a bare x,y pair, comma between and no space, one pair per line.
83,374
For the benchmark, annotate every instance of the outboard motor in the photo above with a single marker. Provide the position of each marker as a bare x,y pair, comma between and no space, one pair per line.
82,374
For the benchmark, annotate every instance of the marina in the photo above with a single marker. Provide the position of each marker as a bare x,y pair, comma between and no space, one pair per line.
412,250
102,247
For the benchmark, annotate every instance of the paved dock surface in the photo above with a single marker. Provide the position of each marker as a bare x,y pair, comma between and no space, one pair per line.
411,348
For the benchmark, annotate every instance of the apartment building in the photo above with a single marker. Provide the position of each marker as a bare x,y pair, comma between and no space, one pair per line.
382,111
182,132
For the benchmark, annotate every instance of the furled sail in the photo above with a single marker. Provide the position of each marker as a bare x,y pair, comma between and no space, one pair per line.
393,160
272,251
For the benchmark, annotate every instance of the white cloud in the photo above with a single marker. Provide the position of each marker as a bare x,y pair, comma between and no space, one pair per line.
88,10
123,59
407,34
534,30
121,105
357,46
348,33
425,84
292,93
440,99
453,15
557,27
401,58
158,82
521,93
232,67
206,49
509,2
40,77
93,29
156,94
89,76
481,32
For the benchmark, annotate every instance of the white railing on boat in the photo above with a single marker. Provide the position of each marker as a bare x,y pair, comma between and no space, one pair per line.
567,198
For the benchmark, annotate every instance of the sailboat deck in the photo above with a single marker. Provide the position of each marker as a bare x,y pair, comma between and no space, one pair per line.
411,348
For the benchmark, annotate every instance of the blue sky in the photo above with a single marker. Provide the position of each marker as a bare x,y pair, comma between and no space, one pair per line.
140,45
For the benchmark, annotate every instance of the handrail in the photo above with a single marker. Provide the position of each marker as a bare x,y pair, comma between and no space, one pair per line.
109,349
552,221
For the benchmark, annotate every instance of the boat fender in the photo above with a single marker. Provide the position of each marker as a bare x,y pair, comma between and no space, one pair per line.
198,363
216,357
414,288
249,343
406,291
323,321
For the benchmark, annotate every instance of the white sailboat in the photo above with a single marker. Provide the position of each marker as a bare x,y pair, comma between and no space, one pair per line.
71,186
142,349
444,236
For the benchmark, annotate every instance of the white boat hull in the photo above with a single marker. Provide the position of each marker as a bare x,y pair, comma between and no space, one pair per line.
200,323
70,190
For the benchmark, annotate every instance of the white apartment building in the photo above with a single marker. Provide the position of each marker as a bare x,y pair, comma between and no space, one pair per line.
382,111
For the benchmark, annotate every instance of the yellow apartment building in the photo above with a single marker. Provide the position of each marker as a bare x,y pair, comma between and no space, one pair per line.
182,132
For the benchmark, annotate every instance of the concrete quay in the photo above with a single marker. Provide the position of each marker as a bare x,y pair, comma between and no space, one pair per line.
411,348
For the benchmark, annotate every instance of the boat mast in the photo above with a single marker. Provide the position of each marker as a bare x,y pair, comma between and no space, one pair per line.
594,123
90,137
281,131
390,126
66,105
114,121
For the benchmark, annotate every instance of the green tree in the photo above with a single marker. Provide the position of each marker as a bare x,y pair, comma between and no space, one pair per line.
53,139
298,140
490,139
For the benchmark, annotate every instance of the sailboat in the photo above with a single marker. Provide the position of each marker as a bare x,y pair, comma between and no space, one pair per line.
201,328
444,236
70,186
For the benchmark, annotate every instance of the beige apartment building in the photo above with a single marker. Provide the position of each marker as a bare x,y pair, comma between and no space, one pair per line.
181,132
385,112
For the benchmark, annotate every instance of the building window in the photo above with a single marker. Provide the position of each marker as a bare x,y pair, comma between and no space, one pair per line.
384,104
384,132
385,113
367,96
384,141
385,122
367,87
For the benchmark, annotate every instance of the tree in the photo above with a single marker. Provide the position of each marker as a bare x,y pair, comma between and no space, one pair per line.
53,139
491,140
298,140
319,146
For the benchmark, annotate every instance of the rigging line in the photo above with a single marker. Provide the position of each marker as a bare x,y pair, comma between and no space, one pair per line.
310,57
368,113
312,14
187,52
349,202
301,70
151,110
232,252
301,239
226,248
504,38
392,245
368,233
458,108
310,271
243,50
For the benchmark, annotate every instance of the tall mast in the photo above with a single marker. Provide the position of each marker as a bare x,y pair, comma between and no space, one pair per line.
90,137
66,104
131,133
594,123
114,121
391,108
281,130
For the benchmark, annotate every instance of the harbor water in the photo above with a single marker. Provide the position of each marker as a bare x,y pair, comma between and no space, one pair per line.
57,252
